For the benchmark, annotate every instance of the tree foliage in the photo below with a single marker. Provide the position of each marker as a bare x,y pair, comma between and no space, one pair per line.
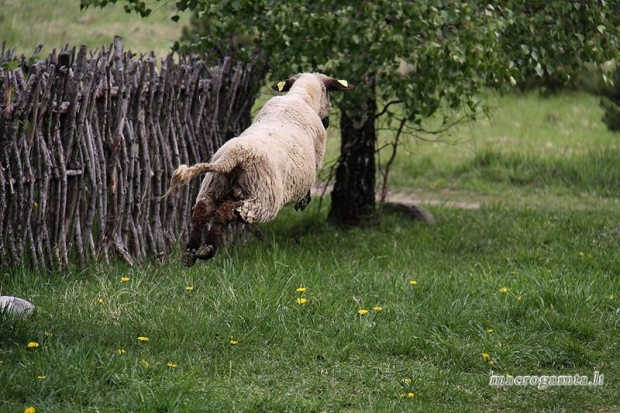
450,50
454,48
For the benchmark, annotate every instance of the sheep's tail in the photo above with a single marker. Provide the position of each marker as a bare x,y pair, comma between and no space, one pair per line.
184,174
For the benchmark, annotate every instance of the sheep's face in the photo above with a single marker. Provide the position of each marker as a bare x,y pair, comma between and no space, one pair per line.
316,88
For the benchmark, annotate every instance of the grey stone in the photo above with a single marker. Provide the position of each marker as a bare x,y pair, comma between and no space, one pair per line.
16,306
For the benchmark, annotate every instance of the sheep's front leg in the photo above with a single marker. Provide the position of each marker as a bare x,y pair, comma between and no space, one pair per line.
303,202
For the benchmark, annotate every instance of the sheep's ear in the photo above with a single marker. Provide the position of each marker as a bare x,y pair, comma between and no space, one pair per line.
283,86
338,84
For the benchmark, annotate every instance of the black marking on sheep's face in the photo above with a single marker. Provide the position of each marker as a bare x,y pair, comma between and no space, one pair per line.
303,202
325,122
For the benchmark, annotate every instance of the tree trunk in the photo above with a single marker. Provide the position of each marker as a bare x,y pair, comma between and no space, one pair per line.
353,196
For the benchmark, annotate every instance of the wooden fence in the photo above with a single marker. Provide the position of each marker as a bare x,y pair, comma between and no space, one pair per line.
88,143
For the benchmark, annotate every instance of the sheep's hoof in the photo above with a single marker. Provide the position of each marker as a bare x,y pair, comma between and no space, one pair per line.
205,252
189,258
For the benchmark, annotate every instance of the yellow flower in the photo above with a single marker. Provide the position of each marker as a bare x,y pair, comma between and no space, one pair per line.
489,330
518,298
33,344
301,290
580,254
233,342
121,351
301,301
377,308
410,394
30,409
143,339
172,365
407,380
144,363
125,279
485,356
100,301
189,288
362,312
413,282
41,377
503,290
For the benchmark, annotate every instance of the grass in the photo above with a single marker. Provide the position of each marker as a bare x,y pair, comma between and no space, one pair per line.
558,317
54,23
530,146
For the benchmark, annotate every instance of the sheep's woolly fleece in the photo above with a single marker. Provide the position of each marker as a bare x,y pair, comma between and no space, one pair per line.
275,160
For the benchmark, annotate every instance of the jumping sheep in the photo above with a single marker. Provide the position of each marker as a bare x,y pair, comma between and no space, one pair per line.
272,163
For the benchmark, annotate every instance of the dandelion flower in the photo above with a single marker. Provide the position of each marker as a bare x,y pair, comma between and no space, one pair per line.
377,308
189,288
407,380
410,394
580,254
413,282
100,301
143,339
362,312
33,344
30,409
490,330
121,351
144,363
485,356
301,290
518,298
172,365
503,290
233,342
301,301
125,279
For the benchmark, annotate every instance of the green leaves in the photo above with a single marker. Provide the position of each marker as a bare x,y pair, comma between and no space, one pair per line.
453,49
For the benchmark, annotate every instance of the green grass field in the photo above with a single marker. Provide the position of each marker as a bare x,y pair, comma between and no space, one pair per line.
240,339
54,23
403,316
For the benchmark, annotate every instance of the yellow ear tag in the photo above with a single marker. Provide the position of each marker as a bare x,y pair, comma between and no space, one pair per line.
343,83
281,86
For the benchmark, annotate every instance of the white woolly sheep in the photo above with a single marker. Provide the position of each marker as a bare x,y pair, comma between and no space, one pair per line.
272,163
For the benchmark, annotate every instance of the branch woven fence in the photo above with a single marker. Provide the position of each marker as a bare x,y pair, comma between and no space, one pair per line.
88,142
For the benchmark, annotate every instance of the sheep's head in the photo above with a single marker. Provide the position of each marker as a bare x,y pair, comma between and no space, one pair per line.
315,87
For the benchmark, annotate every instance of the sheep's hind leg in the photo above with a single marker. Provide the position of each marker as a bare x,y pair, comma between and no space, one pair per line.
303,202
224,215
200,217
